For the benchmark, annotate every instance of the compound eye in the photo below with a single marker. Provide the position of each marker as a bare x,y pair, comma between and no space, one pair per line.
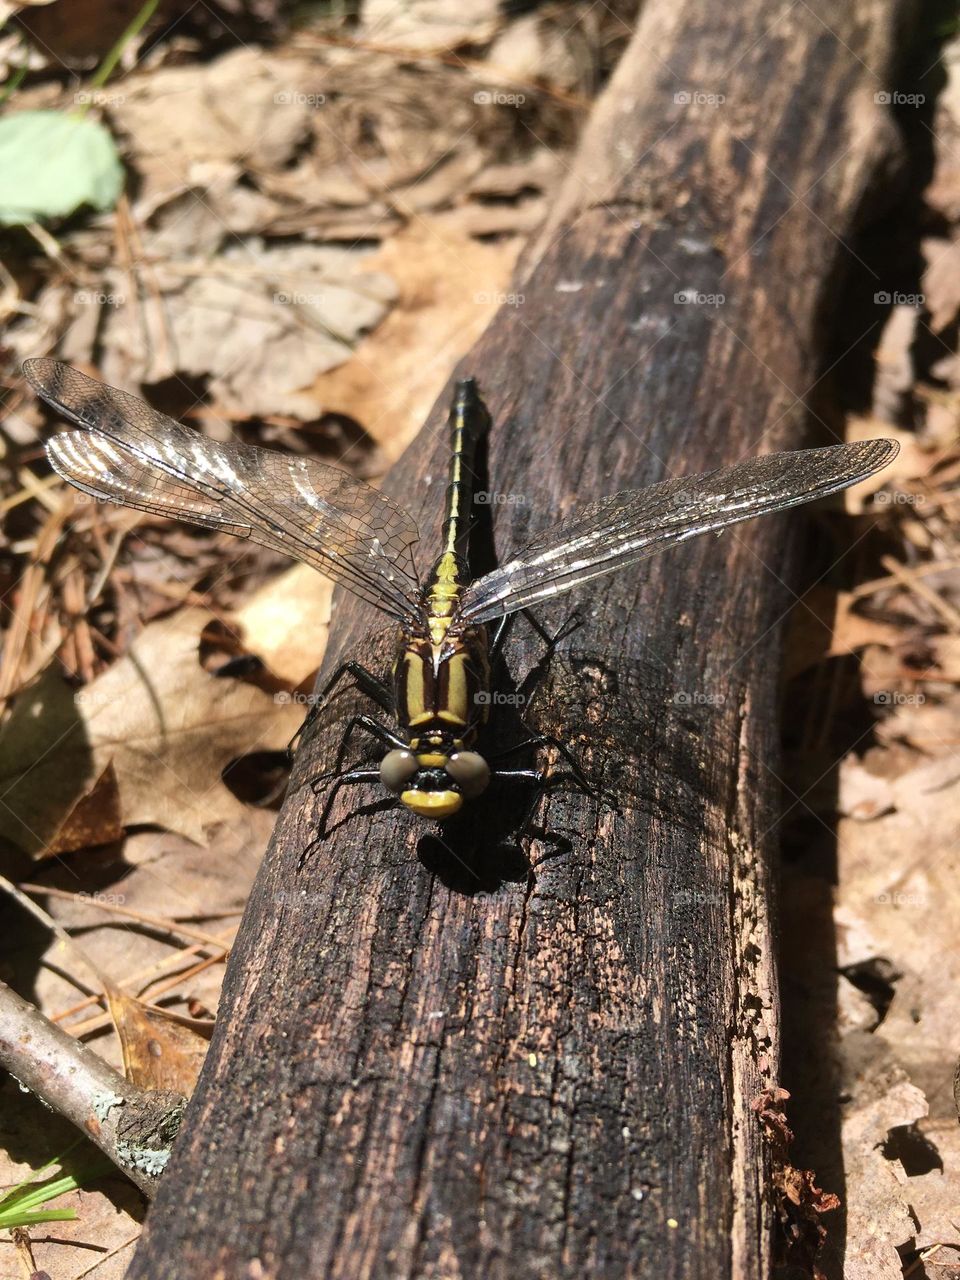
469,771
397,768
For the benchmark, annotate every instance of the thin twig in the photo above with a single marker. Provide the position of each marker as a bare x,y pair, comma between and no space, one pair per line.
907,578
159,922
76,1083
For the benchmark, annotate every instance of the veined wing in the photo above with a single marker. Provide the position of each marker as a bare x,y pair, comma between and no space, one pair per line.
130,454
620,530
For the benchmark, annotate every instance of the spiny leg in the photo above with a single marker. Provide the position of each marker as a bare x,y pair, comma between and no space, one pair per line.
573,621
375,729
375,689
541,785
546,740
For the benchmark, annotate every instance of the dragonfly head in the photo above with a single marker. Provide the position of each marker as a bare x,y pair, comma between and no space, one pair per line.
434,784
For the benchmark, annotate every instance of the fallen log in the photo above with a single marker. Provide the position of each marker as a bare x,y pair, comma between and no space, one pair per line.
435,1060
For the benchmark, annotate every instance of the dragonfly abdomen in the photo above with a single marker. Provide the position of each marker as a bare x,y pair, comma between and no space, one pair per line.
468,421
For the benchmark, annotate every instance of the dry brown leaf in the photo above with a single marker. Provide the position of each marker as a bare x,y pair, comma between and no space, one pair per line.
898,900
933,1198
913,781
72,32
941,281
166,726
530,51
852,631
162,874
911,463
246,106
157,1052
828,624
933,727
428,24
943,194
450,286
94,819
946,655
109,1212
262,324
895,372
878,1215
442,184
285,623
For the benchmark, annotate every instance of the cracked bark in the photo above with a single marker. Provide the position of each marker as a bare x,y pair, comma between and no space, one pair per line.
429,1062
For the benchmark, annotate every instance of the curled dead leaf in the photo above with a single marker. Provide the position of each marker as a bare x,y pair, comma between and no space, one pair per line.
164,726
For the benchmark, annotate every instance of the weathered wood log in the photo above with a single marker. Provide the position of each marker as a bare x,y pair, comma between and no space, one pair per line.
430,1062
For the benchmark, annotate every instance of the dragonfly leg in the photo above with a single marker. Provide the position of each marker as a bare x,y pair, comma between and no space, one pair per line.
542,784
500,635
566,628
375,729
367,682
375,689
546,740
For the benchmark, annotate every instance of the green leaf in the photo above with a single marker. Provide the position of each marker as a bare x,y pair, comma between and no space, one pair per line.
29,1218
19,1205
52,164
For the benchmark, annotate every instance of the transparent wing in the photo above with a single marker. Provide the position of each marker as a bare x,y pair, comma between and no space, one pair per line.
130,454
620,530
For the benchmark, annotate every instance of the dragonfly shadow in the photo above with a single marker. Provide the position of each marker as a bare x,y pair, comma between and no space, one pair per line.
469,858
481,851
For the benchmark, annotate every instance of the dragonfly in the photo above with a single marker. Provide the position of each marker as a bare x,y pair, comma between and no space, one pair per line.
439,697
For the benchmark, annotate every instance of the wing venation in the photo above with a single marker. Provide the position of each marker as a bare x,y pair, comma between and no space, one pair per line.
130,454
627,527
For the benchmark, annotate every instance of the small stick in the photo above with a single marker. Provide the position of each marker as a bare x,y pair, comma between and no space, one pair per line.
76,1083
947,612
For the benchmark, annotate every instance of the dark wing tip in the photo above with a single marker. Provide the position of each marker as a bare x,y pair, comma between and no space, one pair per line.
42,373
877,454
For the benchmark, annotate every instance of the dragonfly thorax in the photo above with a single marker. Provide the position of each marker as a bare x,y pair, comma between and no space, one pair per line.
443,689
442,698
